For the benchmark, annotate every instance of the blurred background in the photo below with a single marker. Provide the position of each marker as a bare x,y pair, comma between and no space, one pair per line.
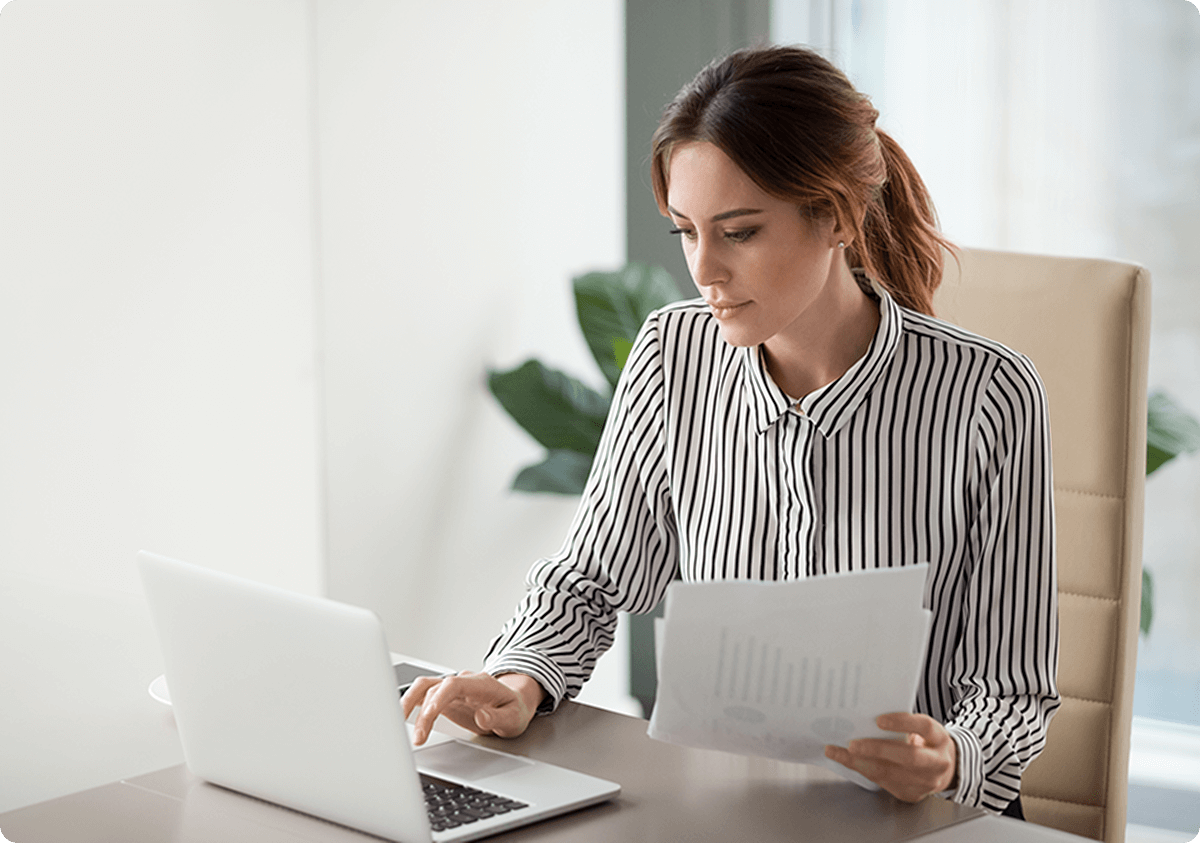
256,258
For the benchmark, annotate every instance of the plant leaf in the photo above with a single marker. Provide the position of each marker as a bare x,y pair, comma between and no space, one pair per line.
559,411
561,473
1170,431
613,305
621,349
1147,602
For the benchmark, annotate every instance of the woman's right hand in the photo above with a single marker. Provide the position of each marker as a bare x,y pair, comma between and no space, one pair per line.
479,702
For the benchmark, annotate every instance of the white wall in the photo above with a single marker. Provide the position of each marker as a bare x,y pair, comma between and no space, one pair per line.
157,377
167,311
471,163
156,335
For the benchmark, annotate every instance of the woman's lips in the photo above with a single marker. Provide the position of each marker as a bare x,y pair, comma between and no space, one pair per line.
723,310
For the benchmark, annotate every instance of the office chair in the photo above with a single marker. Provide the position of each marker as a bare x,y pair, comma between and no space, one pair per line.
1085,324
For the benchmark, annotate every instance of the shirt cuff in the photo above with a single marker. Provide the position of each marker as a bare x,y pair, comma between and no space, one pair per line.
970,767
536,665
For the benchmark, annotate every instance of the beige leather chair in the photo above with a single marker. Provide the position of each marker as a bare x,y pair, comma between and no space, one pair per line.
1085,324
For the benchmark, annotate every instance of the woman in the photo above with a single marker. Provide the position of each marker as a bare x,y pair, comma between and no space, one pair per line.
808,417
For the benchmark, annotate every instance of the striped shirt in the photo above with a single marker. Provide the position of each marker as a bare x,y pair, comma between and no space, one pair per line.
934,446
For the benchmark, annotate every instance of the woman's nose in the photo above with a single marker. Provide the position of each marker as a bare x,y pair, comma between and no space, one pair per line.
706,266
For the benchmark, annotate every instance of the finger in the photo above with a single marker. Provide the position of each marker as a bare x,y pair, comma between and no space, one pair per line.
933,732
501,715
839,754
849,759
507,721
876,771
416,692
434,702
890,751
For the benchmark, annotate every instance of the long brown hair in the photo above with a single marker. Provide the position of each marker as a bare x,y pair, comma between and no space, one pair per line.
797,127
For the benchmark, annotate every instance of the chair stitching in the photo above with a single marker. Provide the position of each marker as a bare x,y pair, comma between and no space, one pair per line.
1086,700
1090,596
1070,491
1064,801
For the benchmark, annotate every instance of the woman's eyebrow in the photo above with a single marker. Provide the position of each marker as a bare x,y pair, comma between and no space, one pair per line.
724,215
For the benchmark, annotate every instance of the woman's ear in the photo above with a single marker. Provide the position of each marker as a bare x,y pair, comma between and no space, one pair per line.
837,234
843,231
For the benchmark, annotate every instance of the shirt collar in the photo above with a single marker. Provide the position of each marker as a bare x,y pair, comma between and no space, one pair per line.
832,405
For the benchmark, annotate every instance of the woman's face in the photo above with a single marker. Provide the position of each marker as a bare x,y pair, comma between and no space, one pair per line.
766,271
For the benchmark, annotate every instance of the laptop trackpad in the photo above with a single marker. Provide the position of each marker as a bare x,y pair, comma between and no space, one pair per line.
466,762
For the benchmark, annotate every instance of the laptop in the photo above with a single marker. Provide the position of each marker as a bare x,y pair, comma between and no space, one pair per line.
292,699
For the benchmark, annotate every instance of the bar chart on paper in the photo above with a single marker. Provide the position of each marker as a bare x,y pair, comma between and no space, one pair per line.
753,674
782,669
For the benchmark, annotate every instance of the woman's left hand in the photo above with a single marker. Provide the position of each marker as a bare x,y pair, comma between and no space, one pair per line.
921,764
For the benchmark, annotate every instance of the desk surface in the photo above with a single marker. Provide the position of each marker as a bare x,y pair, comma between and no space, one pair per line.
669,793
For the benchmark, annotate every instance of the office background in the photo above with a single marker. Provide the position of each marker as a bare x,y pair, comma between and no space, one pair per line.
256,257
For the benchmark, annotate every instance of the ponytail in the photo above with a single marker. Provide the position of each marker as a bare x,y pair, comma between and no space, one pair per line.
901,246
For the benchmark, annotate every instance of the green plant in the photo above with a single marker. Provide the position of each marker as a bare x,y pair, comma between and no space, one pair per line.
1170,431
563,413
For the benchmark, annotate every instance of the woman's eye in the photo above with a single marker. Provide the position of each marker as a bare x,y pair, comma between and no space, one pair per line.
688,234
741,235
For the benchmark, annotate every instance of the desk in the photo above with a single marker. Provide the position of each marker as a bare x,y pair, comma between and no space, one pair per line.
669,794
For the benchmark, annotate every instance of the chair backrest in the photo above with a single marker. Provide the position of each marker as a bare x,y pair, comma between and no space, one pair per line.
1085,324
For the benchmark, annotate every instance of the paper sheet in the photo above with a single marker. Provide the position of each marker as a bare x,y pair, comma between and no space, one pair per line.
781,669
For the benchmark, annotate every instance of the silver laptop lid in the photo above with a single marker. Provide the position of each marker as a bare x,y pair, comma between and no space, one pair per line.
270,704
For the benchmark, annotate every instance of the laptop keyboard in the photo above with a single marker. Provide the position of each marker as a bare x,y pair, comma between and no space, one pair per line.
451,805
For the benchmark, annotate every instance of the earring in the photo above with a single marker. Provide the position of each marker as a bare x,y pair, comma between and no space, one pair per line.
841,244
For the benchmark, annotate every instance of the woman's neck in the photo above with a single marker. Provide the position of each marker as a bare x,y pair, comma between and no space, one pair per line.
827,340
